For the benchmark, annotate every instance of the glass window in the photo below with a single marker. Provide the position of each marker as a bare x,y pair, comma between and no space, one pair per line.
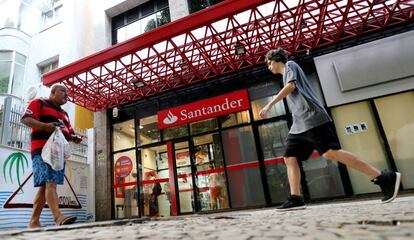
132,30
184,175
261,95
140,20
12,61
203,126
174,132
51,12
148,23
121,35
45,68
197,5
125,172
272,140
18,80
245,184
234,119
123,135
163,17
5,71
323,178
210,175
148,130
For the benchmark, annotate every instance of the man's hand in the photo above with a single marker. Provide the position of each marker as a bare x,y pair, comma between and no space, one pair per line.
76,138
49,127
264,111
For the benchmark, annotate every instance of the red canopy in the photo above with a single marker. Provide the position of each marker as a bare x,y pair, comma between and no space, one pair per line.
203,45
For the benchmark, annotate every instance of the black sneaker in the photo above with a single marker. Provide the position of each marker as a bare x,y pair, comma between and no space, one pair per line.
293,202
389,183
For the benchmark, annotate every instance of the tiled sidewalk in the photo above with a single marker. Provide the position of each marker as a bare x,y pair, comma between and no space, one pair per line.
367,219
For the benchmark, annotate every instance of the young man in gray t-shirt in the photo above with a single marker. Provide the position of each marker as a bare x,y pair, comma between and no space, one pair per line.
312,129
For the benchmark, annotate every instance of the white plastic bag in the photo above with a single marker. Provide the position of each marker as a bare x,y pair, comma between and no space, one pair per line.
56,150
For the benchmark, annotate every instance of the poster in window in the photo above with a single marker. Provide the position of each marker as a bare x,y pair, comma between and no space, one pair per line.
201,154
162,160
182,157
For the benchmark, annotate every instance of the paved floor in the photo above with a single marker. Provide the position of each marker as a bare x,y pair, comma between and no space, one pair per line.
367,219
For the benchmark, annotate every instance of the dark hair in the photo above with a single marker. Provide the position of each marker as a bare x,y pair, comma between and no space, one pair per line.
278,55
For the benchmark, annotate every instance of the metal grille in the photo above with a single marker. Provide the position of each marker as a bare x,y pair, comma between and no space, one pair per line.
225,38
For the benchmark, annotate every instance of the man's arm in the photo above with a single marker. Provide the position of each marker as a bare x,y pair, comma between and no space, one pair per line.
33,123
286,90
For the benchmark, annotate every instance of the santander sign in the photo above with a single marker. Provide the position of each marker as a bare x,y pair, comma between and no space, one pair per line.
204,109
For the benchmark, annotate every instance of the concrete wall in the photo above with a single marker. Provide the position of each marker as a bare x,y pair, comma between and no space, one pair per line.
370,70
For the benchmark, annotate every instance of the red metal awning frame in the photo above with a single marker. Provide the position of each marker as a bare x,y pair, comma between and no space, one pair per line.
202,46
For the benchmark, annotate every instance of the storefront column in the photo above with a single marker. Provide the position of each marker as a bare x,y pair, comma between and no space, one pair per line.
173,176
102,167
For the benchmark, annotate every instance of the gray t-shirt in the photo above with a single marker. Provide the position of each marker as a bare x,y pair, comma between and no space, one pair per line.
307,110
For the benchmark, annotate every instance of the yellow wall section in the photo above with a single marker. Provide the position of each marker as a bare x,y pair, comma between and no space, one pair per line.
83,118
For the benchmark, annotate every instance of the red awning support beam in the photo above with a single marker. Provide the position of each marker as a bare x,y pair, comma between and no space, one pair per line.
228,37
150,38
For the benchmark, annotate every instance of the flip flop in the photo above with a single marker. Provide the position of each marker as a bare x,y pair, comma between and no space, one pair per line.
67,220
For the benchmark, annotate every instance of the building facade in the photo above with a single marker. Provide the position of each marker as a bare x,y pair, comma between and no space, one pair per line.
200,145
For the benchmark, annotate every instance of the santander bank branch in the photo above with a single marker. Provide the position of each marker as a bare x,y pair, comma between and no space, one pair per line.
205,148
177,125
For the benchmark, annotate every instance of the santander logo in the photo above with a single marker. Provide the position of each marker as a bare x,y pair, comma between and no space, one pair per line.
170,118
204,109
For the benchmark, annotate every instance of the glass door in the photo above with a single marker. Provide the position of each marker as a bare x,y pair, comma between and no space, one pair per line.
210,178
184,177
154,182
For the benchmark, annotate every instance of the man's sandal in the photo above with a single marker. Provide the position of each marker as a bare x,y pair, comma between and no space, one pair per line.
66,220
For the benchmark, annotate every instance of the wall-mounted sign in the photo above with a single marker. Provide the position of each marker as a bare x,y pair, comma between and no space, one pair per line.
123,166
356,128
204,109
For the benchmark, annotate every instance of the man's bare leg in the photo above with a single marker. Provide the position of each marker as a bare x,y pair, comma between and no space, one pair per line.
38,204
52,201
293,172
352,161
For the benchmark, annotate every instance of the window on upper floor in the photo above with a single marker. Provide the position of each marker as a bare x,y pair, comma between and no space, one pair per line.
197,5
139,20
51,11
12,67
48,66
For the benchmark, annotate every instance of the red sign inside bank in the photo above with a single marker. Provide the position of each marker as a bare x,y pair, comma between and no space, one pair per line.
208,108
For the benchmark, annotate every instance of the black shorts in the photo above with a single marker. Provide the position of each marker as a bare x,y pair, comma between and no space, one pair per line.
321,138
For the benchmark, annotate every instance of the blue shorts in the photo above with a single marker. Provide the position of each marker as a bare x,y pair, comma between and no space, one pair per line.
43,173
